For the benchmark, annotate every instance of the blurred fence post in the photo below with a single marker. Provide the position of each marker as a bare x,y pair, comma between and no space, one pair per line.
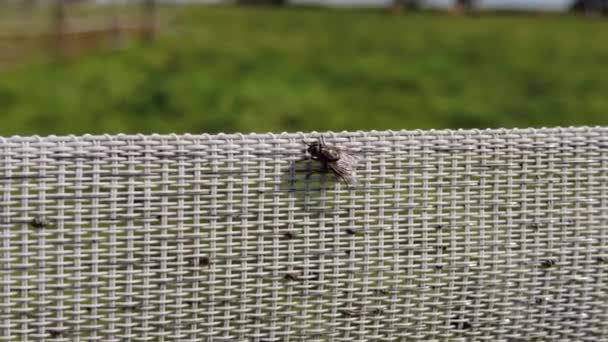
263,2
463,6
28,5
150,19
59,26
114,26
397,6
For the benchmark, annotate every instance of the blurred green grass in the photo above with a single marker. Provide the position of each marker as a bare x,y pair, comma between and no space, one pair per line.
233,69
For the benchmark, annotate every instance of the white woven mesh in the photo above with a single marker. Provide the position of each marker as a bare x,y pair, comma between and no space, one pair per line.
499,234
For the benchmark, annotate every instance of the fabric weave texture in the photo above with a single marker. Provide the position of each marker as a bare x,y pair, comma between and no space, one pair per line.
446,235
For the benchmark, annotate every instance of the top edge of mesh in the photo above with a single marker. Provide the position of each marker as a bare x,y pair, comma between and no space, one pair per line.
312,134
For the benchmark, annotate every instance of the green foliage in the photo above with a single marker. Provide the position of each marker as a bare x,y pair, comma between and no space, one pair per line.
266,69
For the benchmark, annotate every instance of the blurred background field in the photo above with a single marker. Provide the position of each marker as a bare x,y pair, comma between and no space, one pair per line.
254,68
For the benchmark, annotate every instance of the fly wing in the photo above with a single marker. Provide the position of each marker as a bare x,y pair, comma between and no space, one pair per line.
345,167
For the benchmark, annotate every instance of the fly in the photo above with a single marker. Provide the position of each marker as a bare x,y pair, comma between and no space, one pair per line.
335,159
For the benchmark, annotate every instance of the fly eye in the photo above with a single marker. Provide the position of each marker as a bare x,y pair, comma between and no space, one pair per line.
314,148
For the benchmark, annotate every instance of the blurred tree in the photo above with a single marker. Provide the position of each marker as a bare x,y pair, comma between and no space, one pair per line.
590,7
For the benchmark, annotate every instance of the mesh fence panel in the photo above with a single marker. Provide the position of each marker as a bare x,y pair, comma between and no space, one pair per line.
446,235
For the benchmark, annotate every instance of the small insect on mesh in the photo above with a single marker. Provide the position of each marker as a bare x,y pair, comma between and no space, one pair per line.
445,235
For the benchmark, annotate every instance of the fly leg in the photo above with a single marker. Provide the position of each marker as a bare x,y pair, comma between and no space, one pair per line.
323,169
